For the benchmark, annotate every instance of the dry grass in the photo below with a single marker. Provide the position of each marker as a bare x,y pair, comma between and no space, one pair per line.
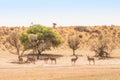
62,73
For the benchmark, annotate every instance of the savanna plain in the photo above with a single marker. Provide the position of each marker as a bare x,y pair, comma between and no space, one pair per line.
64,69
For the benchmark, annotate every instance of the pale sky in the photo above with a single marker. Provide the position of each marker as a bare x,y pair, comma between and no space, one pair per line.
62,12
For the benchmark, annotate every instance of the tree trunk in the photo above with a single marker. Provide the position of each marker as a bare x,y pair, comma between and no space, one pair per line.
22,53
19,56
101,54
73,52
107,54
39,53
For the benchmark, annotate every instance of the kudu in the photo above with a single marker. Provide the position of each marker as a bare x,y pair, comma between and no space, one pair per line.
31,60
46,60
91,59
53,60
73,60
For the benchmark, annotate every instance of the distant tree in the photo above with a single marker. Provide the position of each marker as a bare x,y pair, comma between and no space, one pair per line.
54,25
13,41
74,43
40,38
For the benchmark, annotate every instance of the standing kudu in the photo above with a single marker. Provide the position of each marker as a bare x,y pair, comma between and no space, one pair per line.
73,60
46,60
91,59
31,60
53,60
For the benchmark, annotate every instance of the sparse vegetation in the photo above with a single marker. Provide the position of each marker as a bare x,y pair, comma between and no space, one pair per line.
88,34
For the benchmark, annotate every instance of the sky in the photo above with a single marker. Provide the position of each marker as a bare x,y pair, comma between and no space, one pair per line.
62,12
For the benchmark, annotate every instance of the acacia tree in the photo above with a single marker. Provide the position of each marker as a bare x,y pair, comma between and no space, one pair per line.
42,38
74,43
54,25
103,47
13,42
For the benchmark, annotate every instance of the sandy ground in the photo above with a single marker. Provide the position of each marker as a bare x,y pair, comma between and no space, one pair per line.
108,69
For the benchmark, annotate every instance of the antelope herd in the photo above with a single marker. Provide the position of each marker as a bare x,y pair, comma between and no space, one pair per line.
53,60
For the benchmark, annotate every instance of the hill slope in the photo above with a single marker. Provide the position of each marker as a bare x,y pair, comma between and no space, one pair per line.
87,34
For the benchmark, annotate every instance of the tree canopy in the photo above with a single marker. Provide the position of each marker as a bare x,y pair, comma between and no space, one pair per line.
103,47
74,43
40,38
13,42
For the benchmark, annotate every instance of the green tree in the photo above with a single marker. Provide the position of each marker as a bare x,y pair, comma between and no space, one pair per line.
39,38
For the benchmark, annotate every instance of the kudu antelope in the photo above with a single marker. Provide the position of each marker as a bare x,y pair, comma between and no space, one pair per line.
91,59
31,60
53,60
46,60
73,60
